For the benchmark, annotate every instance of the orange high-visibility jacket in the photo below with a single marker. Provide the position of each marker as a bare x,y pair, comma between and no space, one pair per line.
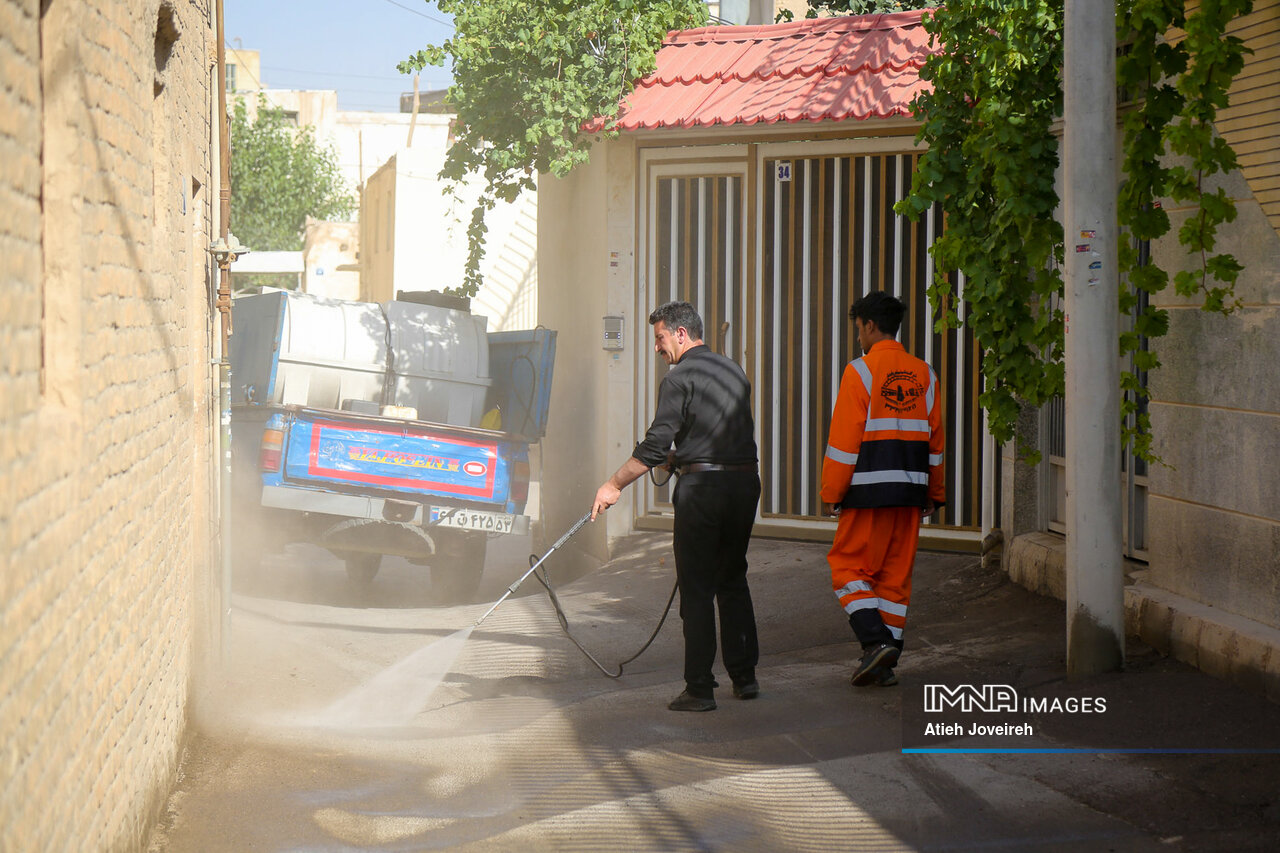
886,444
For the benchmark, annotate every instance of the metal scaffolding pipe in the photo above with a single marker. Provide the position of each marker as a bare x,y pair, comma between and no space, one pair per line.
223,306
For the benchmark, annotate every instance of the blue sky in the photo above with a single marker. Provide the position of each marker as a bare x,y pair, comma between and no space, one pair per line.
348,45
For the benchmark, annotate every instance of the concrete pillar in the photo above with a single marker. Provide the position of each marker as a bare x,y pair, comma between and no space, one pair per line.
762,12
1095,566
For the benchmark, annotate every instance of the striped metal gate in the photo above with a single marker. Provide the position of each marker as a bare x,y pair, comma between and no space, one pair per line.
698,256
824,232
1133,468
829,235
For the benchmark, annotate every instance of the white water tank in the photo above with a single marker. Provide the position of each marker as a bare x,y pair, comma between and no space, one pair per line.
292,348
440,362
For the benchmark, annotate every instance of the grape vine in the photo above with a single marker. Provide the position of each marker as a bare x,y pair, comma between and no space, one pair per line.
991,161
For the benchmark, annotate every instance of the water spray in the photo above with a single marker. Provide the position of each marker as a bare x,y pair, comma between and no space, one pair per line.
397,694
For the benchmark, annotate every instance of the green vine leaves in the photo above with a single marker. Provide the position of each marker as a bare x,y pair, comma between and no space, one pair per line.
527,77
990,167
822,8
1179,84
281,175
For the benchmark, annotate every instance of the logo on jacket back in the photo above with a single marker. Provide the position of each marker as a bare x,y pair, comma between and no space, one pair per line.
901,390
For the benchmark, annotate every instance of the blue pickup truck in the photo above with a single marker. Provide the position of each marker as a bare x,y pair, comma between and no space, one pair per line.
371,429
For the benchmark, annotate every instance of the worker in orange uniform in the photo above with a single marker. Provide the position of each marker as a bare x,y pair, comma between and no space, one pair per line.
882,475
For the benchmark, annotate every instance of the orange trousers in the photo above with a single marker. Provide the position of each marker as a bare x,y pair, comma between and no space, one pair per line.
871,561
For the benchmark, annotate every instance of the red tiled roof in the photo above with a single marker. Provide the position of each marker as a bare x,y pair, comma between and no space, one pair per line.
819,69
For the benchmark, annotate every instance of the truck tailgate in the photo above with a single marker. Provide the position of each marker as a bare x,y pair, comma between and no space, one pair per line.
337,451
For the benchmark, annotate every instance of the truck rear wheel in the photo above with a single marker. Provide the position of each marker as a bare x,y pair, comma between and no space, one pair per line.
362,567
457,567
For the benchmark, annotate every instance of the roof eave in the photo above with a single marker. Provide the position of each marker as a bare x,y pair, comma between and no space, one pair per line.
872,126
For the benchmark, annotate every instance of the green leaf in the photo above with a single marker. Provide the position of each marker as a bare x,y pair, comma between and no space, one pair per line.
280,176
990,164
528,75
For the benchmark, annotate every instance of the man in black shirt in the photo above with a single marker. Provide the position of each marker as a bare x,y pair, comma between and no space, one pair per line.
704,407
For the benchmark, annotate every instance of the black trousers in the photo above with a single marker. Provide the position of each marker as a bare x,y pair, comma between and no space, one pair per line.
714,513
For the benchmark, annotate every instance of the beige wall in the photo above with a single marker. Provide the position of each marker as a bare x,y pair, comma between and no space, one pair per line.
1214,509
105,192
244,70
578,452
366,140
377,213
317,108
330,253
414,237
361,141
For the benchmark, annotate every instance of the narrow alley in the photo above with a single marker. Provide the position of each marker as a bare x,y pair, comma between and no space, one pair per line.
525,745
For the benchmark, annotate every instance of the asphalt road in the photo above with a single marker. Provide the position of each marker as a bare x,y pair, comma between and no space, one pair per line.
347,720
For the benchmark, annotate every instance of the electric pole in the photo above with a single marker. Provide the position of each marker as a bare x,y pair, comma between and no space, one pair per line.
1095,563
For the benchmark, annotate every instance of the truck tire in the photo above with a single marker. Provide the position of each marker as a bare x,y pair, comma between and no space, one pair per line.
362,567
457,567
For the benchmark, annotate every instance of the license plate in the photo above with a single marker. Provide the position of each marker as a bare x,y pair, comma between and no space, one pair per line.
470,519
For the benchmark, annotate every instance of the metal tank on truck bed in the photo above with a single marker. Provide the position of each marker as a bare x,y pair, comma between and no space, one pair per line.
370,429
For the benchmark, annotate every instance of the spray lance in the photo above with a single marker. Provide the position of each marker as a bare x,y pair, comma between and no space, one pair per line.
536,562
511,589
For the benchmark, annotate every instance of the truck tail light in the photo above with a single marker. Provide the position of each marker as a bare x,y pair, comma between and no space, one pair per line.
270,452
520,481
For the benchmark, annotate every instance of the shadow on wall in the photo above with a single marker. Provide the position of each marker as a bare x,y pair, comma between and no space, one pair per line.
509,297
155,279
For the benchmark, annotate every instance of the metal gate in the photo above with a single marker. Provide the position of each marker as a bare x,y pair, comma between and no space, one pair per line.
699,257
1133,468
829,235
821,231
697,254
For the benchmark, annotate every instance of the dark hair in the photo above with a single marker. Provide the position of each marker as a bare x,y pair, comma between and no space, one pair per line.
674,315
883,309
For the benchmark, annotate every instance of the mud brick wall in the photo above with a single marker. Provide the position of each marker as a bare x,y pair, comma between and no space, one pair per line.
105,415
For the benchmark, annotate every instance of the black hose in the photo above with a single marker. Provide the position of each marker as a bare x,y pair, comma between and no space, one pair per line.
564,620
564,623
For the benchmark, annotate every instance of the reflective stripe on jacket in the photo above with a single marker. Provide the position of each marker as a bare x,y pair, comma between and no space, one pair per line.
885,446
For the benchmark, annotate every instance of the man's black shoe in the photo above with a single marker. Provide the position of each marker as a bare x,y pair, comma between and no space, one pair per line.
746,690
687,702
867,672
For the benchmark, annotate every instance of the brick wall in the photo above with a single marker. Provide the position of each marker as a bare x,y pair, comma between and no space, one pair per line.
105,418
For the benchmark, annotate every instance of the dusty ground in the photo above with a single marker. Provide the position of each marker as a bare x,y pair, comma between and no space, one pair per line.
523,744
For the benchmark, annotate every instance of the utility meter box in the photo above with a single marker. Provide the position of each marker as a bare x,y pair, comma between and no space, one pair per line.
612,332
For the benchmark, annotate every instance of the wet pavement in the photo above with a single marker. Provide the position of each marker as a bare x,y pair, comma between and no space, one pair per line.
508,738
